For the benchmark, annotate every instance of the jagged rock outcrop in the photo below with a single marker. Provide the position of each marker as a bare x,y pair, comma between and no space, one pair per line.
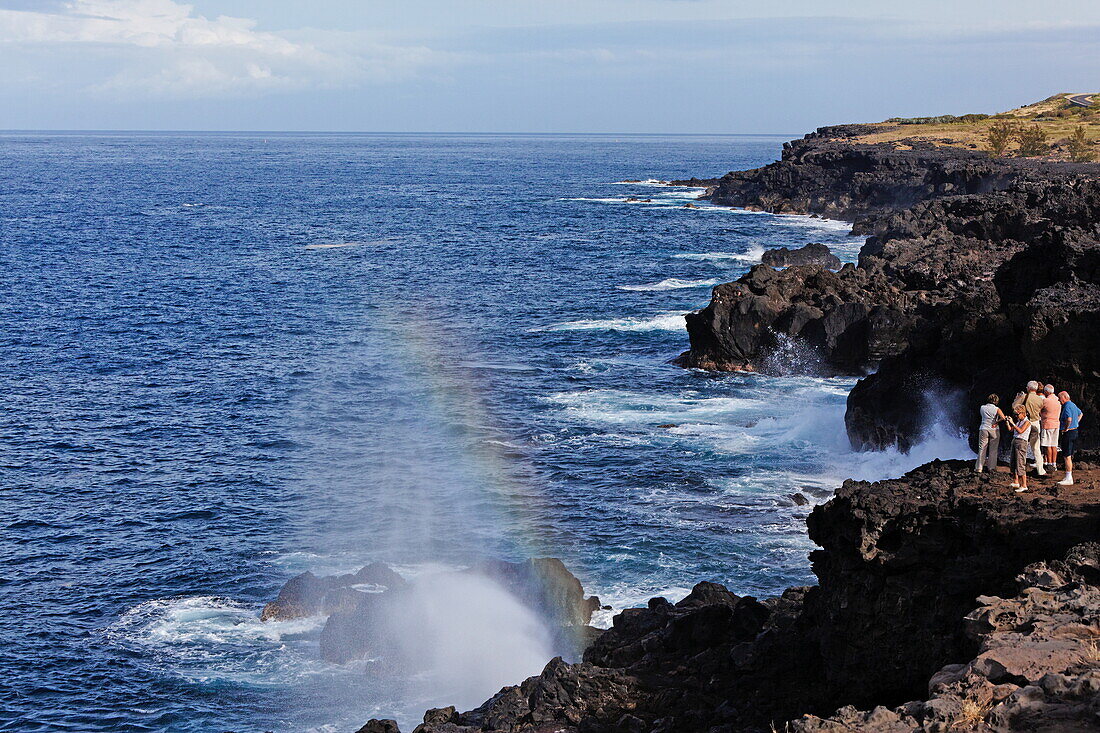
1037,666
814,253
804,318
901,566
825,174
917,550
978,276
1035,315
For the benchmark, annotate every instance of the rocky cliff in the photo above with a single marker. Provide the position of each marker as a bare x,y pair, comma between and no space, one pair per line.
911,576
978,275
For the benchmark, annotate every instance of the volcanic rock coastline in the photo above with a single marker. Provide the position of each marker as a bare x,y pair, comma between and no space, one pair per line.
945,602
979,274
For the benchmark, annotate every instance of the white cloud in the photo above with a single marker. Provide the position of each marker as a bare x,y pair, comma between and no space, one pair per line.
164,48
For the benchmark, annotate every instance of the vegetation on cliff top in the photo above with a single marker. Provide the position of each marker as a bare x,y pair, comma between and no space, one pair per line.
1055,128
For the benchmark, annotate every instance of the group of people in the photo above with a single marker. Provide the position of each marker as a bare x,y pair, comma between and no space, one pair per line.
1042,424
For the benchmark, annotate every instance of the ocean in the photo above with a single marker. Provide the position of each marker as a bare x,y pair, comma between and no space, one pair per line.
232,358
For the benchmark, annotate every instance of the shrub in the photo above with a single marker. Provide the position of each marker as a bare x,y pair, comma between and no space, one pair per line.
940,120
998,137
1033,141
1079,148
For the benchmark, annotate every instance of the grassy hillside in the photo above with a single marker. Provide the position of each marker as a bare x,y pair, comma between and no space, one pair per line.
1055,116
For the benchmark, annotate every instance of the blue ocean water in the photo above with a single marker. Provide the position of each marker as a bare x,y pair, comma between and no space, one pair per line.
231,358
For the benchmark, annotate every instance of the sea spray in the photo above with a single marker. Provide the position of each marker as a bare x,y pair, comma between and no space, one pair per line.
469,636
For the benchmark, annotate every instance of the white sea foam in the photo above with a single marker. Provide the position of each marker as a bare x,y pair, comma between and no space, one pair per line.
753,254
622,596
624,407
661,322
802,220
203,638
689,194
671,283
606,200
646,182
798,420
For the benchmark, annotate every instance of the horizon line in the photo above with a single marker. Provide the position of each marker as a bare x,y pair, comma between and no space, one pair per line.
382,132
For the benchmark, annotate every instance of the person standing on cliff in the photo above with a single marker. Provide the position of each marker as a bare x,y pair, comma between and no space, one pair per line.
1021,434
989,434
1050,418
1070,419
1033,405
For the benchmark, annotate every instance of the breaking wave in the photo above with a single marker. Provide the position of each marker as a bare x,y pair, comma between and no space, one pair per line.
671,283
662,322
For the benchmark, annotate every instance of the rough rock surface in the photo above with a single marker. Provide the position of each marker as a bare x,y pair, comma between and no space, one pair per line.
825,174
1037,666
901,566
813,253
804,318
978,276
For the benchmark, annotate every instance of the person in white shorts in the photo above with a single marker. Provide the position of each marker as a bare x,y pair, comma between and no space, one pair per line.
1050,416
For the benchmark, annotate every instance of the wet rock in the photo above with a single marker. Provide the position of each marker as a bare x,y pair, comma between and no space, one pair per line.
695,182
804,318
309,595
555,592
811,254
380,726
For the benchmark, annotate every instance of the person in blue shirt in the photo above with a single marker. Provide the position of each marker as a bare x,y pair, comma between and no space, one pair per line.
1071,420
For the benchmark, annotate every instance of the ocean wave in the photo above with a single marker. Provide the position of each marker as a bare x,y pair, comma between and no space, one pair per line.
795,425
625,406
803,220
353,243
753,254
661,322
671,283
646,182
204,638
622,596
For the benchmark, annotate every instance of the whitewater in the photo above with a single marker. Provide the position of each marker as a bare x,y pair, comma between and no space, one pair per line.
232,359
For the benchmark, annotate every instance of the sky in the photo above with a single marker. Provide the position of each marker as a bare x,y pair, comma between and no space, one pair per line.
567,66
